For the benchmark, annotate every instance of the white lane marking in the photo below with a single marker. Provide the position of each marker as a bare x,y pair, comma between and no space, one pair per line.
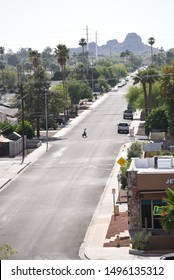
59,153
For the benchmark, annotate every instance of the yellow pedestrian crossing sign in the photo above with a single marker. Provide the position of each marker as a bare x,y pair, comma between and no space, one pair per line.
121,161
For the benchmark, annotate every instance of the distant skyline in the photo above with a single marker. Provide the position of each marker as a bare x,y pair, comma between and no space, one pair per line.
41,23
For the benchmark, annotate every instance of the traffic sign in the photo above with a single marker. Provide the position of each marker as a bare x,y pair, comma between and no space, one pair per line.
121,161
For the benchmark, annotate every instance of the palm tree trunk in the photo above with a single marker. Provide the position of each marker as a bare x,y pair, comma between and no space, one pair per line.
150,98
145,100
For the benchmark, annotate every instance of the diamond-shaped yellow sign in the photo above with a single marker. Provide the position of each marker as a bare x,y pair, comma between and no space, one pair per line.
121,161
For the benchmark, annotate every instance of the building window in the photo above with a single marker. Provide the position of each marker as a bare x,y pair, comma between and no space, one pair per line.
149,218
146,213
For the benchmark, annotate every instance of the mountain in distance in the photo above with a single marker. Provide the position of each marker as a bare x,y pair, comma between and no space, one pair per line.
132,42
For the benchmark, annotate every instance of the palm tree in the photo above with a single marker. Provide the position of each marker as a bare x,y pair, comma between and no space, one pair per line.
167,215
62,54
123,55
34,58
83,43
147,77
151,42
127,54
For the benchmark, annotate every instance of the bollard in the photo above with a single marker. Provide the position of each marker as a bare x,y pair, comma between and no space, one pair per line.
118,241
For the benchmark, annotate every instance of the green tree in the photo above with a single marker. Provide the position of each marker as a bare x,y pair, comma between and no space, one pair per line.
47,53
167,214
6,128
169,56
80,72
23,54
147,78
10,78
135,97
123,56
28,129
157,119
167,93
56,101
34,92
78,90
35,58
103,84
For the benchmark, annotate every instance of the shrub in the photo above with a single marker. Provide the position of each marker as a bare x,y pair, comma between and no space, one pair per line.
135,150
7,128
28,129
123,176
140,240
6,251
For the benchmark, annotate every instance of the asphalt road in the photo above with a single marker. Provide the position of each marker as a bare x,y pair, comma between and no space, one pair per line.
46,210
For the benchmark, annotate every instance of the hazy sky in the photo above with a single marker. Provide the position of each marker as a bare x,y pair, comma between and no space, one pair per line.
41,23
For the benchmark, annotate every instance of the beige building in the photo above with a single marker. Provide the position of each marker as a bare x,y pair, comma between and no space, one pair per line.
148,179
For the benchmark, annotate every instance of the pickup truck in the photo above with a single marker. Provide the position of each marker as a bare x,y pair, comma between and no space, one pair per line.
128,114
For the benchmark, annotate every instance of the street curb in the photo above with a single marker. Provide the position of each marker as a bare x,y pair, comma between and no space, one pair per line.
13,174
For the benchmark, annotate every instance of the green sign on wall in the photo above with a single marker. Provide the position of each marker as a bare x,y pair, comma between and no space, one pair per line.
157,210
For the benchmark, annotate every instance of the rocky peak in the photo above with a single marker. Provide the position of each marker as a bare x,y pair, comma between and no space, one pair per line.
133,42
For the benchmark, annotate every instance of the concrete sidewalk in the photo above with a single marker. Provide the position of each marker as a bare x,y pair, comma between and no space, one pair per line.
11,167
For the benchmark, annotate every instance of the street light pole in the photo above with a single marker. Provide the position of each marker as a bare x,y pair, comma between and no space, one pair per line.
92,77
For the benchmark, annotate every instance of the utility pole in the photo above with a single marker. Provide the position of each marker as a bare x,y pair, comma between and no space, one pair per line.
46,120
96,46
21,92
23,134
87,39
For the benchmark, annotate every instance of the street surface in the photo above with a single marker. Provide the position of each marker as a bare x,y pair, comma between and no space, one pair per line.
46,210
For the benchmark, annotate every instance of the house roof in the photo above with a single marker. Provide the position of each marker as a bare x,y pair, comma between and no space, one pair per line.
4,140
11,112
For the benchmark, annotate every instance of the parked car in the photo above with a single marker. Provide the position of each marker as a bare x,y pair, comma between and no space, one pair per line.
122,83
167,257
129,107
128,114
123,128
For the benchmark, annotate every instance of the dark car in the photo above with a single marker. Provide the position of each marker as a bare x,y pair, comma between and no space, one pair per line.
128,114
123,128
167,257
